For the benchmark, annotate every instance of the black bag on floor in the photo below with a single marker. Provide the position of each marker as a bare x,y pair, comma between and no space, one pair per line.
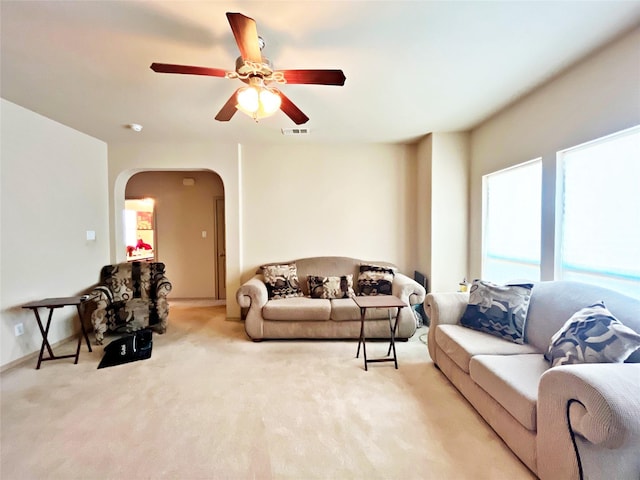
131,348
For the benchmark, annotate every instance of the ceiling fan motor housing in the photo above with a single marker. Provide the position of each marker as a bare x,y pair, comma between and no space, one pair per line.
246,69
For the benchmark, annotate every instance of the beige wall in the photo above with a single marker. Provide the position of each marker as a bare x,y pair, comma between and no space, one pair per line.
291,201
597,97
182,213
424,192
53,189
443,174
347,200
449,210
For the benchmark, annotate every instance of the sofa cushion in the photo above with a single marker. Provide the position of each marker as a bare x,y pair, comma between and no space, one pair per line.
346,309
128,316
500,310
592,335
512,381
375,280
461,343
330,287
281,281
297,308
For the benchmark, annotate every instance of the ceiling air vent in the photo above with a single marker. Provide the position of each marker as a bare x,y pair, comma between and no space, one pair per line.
296,131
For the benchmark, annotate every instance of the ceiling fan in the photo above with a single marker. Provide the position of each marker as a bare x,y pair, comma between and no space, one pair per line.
260,99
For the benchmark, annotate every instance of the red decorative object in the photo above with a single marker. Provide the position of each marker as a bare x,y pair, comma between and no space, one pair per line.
143,245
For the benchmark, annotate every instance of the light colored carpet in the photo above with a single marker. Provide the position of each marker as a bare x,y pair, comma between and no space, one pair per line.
210,404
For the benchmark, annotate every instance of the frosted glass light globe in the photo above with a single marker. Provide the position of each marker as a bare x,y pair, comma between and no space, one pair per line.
248,99
270,101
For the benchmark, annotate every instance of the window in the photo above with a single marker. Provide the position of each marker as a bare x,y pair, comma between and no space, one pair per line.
598,213
511,226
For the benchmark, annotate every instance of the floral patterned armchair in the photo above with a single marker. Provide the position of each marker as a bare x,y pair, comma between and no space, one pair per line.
130,296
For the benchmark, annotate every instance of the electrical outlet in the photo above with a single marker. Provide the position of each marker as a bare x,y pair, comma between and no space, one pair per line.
18,329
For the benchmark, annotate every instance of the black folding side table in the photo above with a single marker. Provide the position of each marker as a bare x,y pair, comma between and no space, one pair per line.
379,301
52,304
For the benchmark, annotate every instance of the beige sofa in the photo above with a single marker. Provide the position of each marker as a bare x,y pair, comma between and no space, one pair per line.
319,318
578,421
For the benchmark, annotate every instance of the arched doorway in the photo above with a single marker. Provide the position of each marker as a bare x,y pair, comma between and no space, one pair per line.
188,224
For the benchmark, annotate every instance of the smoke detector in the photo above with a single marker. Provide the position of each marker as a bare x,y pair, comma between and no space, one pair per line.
136,127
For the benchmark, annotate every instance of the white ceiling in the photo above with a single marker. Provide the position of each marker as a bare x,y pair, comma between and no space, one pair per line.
412,67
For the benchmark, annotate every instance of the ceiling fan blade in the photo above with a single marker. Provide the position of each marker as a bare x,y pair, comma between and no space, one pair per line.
186,69
228,110
317,77
290,110
246,35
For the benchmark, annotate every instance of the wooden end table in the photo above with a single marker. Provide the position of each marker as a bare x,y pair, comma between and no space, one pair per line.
379,301
52,304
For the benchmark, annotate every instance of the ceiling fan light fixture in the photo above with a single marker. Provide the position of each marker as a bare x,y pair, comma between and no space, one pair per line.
269,101
258,101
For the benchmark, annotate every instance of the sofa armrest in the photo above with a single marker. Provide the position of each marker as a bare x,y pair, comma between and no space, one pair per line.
253,293
446,307
407,289
443,308
588,421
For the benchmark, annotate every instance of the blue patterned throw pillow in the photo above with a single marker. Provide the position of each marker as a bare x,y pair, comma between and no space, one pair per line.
592,335
500,310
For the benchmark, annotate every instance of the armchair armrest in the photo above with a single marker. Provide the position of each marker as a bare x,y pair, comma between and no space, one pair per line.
589,408
163,286
407,289
101,297
443,308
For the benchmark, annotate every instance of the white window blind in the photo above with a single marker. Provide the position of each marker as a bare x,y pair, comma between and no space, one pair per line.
511,226
599,213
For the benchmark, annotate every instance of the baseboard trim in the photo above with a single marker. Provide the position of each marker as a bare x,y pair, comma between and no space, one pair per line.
34,355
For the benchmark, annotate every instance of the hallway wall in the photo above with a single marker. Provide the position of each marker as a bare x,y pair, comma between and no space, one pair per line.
182,214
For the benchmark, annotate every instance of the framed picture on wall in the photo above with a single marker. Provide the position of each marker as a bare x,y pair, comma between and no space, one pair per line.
145,220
